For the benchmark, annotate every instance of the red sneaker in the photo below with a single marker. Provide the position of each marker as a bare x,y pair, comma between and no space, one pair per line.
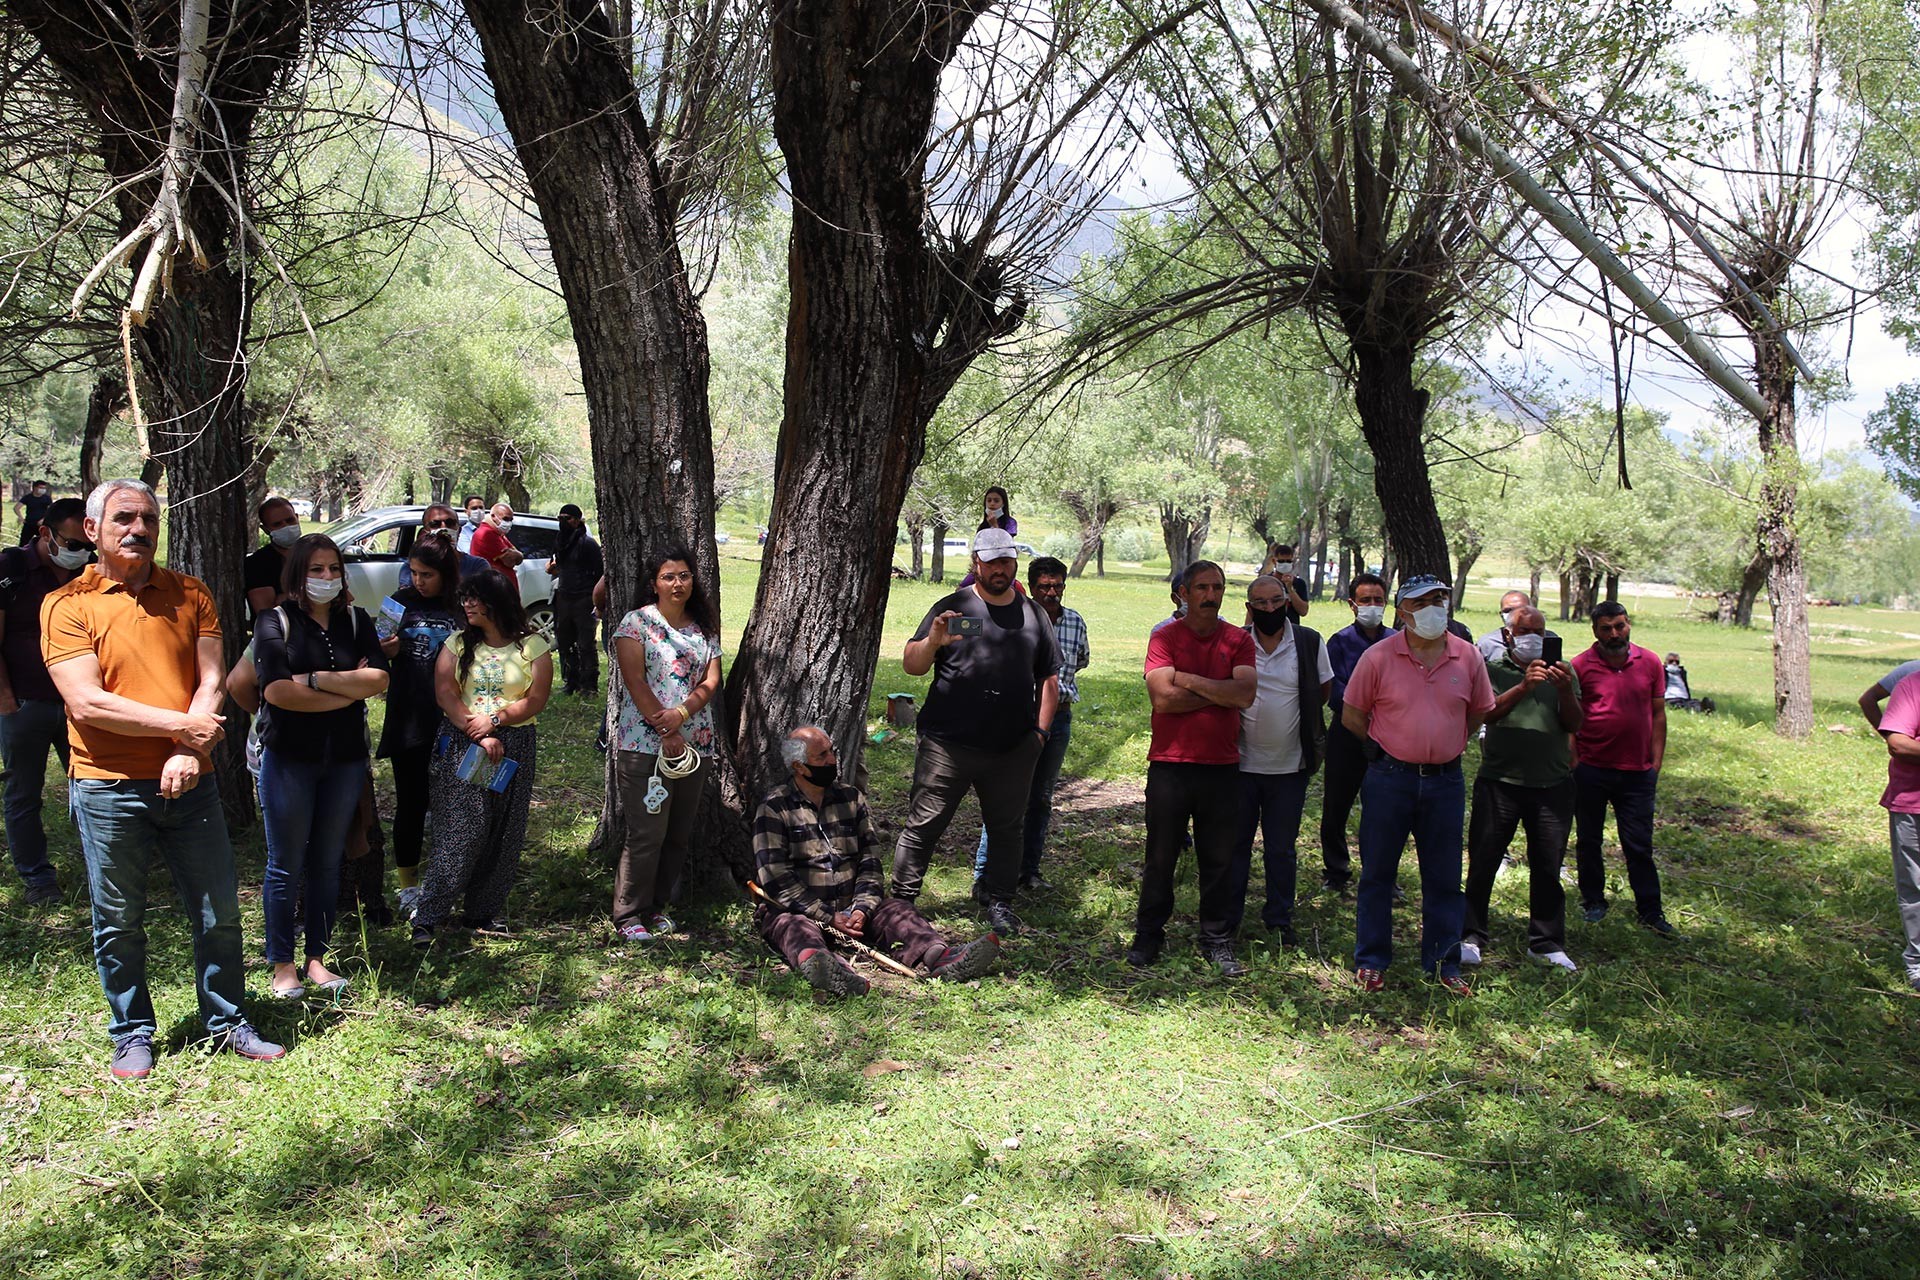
1370,980
1456,985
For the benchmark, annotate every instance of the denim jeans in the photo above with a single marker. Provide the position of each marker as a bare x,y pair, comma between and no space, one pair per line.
122,826
1039,820
1499,809
309,806
1631,793
1270,804
24,738
1396,802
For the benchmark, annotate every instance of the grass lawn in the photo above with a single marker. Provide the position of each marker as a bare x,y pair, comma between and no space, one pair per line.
1744,1104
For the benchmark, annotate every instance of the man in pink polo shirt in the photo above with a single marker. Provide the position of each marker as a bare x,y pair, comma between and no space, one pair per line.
1900,726
1200,676
1415,699
1618,752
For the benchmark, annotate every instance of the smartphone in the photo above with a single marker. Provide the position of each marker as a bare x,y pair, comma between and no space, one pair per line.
965,626
1550,649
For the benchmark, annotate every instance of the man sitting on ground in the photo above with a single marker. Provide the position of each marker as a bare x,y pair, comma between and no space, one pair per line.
815,855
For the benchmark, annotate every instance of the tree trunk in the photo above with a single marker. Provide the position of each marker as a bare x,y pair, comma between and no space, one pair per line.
1092,515
1393,415
565,90
938,571
916,532
1752,579
1566,595
1613,586
1100,556
1320,555
104,403
1176,535
1468,558
1533,584
439,483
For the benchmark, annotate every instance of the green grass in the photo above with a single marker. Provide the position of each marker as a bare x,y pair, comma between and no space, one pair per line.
1744,1105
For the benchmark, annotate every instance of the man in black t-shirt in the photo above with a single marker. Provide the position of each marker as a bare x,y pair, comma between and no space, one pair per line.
575,567
263,569
33,509
996,686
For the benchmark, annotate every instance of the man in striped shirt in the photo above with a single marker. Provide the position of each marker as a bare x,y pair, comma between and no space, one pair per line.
815,855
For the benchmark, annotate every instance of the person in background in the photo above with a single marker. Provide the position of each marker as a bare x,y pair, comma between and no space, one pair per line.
667,658
1900,727
441,521
1047,584
1679,695
815,855
1200,677
317,660
989,709
997,513
1619,750
1493,645
491,680
1880,690
1416,698
33,509
475,507
1346,754
575,567
1525,780
134,650
1280,563
493,542
1280,745
33,720
265,569
431,613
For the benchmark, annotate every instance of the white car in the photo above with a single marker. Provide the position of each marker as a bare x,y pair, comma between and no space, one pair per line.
375,543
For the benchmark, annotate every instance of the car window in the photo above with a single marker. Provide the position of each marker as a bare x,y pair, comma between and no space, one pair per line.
536,542
390,543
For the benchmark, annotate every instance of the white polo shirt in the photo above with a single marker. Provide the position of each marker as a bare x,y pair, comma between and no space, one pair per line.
1270,728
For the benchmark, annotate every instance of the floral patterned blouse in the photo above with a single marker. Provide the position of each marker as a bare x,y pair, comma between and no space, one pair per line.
677,661
498,676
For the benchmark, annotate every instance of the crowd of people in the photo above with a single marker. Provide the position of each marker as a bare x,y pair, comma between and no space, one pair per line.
113,662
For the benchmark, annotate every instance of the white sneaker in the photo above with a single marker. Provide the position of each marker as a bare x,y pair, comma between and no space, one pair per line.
1469,953
1559,959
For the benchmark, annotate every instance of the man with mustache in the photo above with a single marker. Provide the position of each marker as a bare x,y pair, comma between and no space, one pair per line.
1618,751
134,650
1200,677
996,688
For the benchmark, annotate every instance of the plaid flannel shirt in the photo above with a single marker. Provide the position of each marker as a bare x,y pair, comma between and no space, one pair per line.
817,861
1071,634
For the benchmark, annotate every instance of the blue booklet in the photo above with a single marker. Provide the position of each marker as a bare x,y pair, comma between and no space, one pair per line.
482,772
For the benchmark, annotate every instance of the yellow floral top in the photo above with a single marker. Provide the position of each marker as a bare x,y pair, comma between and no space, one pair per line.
498,676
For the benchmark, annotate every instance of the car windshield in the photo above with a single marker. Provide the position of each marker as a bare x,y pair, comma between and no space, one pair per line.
354,528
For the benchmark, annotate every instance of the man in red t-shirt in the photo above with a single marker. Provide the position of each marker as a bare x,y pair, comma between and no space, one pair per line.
1200,676
492,544
1618,752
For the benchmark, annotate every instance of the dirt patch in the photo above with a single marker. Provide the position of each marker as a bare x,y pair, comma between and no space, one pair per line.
1737,819
1088,795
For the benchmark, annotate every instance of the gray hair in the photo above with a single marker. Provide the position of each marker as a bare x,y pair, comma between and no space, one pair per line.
793,748
97,500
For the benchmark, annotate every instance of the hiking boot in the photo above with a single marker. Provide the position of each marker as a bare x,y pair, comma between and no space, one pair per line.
243,1041
132,1058
1594,912
38,894
961,964
1335,885
1288,935
1222,958
828,973
1370,980
1659,925
1001,920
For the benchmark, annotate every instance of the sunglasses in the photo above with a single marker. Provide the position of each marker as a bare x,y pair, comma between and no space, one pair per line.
443,524
72,544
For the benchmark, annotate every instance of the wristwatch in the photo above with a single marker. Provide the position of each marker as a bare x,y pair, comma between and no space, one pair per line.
495,718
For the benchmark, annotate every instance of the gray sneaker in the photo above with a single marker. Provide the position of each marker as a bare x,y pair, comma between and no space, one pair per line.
132,1058
827,972
243,1041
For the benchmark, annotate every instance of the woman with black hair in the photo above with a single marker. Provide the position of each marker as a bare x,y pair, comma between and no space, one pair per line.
668,654
318,660
997,513
430,613
492,680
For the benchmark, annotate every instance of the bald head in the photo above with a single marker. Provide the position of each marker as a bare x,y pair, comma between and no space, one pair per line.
1513,600
1527,621
807,751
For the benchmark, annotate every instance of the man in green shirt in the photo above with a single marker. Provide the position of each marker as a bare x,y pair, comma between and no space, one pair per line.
1525,780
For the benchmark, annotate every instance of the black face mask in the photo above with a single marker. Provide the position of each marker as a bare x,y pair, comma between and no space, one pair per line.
1269,621
822,775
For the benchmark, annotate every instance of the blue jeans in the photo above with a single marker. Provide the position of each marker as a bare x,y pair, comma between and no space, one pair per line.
1039,819
1396,802
309,805
1270,804
24,738
122,826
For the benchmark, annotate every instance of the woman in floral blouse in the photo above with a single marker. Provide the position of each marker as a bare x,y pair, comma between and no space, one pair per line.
669,659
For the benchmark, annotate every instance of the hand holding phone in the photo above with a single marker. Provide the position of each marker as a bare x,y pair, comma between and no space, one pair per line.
1550,649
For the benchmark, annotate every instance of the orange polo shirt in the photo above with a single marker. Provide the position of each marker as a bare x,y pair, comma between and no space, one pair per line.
145,642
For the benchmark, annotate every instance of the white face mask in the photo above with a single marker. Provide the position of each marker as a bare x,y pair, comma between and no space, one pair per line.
1506,617
1529,648
285,536
1285,566
1370,615
324,590
505,524
70,559
1430,623
476,515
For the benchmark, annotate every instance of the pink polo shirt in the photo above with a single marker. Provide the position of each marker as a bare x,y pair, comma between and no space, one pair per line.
1418,713
1903,776
1619,702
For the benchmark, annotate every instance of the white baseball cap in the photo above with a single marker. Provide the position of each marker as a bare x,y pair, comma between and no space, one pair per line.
994,544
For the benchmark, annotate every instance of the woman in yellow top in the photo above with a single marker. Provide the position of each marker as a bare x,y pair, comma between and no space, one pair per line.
491,680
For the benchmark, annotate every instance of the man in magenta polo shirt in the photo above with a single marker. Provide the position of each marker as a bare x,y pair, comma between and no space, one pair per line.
1200,676
1900,726
1617,753
1415,699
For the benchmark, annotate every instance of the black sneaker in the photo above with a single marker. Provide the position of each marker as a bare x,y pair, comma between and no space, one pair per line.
42,893
1289,937
827,972
961,964
1142,957
1594,912
1222,958
1001,920
1335,885
243,1041
1036,883
132,1058
980,892
1659,925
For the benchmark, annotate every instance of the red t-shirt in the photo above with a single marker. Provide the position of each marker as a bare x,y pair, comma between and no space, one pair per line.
1210,735
1415,712
1903,776
1619,702
490,544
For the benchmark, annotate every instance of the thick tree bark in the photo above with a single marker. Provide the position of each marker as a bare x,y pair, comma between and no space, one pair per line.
1613,586
1469,556
937,572
1184,533
565,90
104,403
1393,414
1736,607
1533,584
916,535
1566,595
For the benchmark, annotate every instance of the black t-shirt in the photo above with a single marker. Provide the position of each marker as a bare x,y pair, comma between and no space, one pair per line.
986,688
413,717
581,565
25,581
336,736
263,568
35,511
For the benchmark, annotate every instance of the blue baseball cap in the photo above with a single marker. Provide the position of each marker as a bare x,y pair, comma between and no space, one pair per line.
1419,584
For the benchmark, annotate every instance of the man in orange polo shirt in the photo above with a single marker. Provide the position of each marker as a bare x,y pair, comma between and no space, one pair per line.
134,650
1415,699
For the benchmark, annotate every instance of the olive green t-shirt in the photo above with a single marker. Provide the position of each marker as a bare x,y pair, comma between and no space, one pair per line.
1529,748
